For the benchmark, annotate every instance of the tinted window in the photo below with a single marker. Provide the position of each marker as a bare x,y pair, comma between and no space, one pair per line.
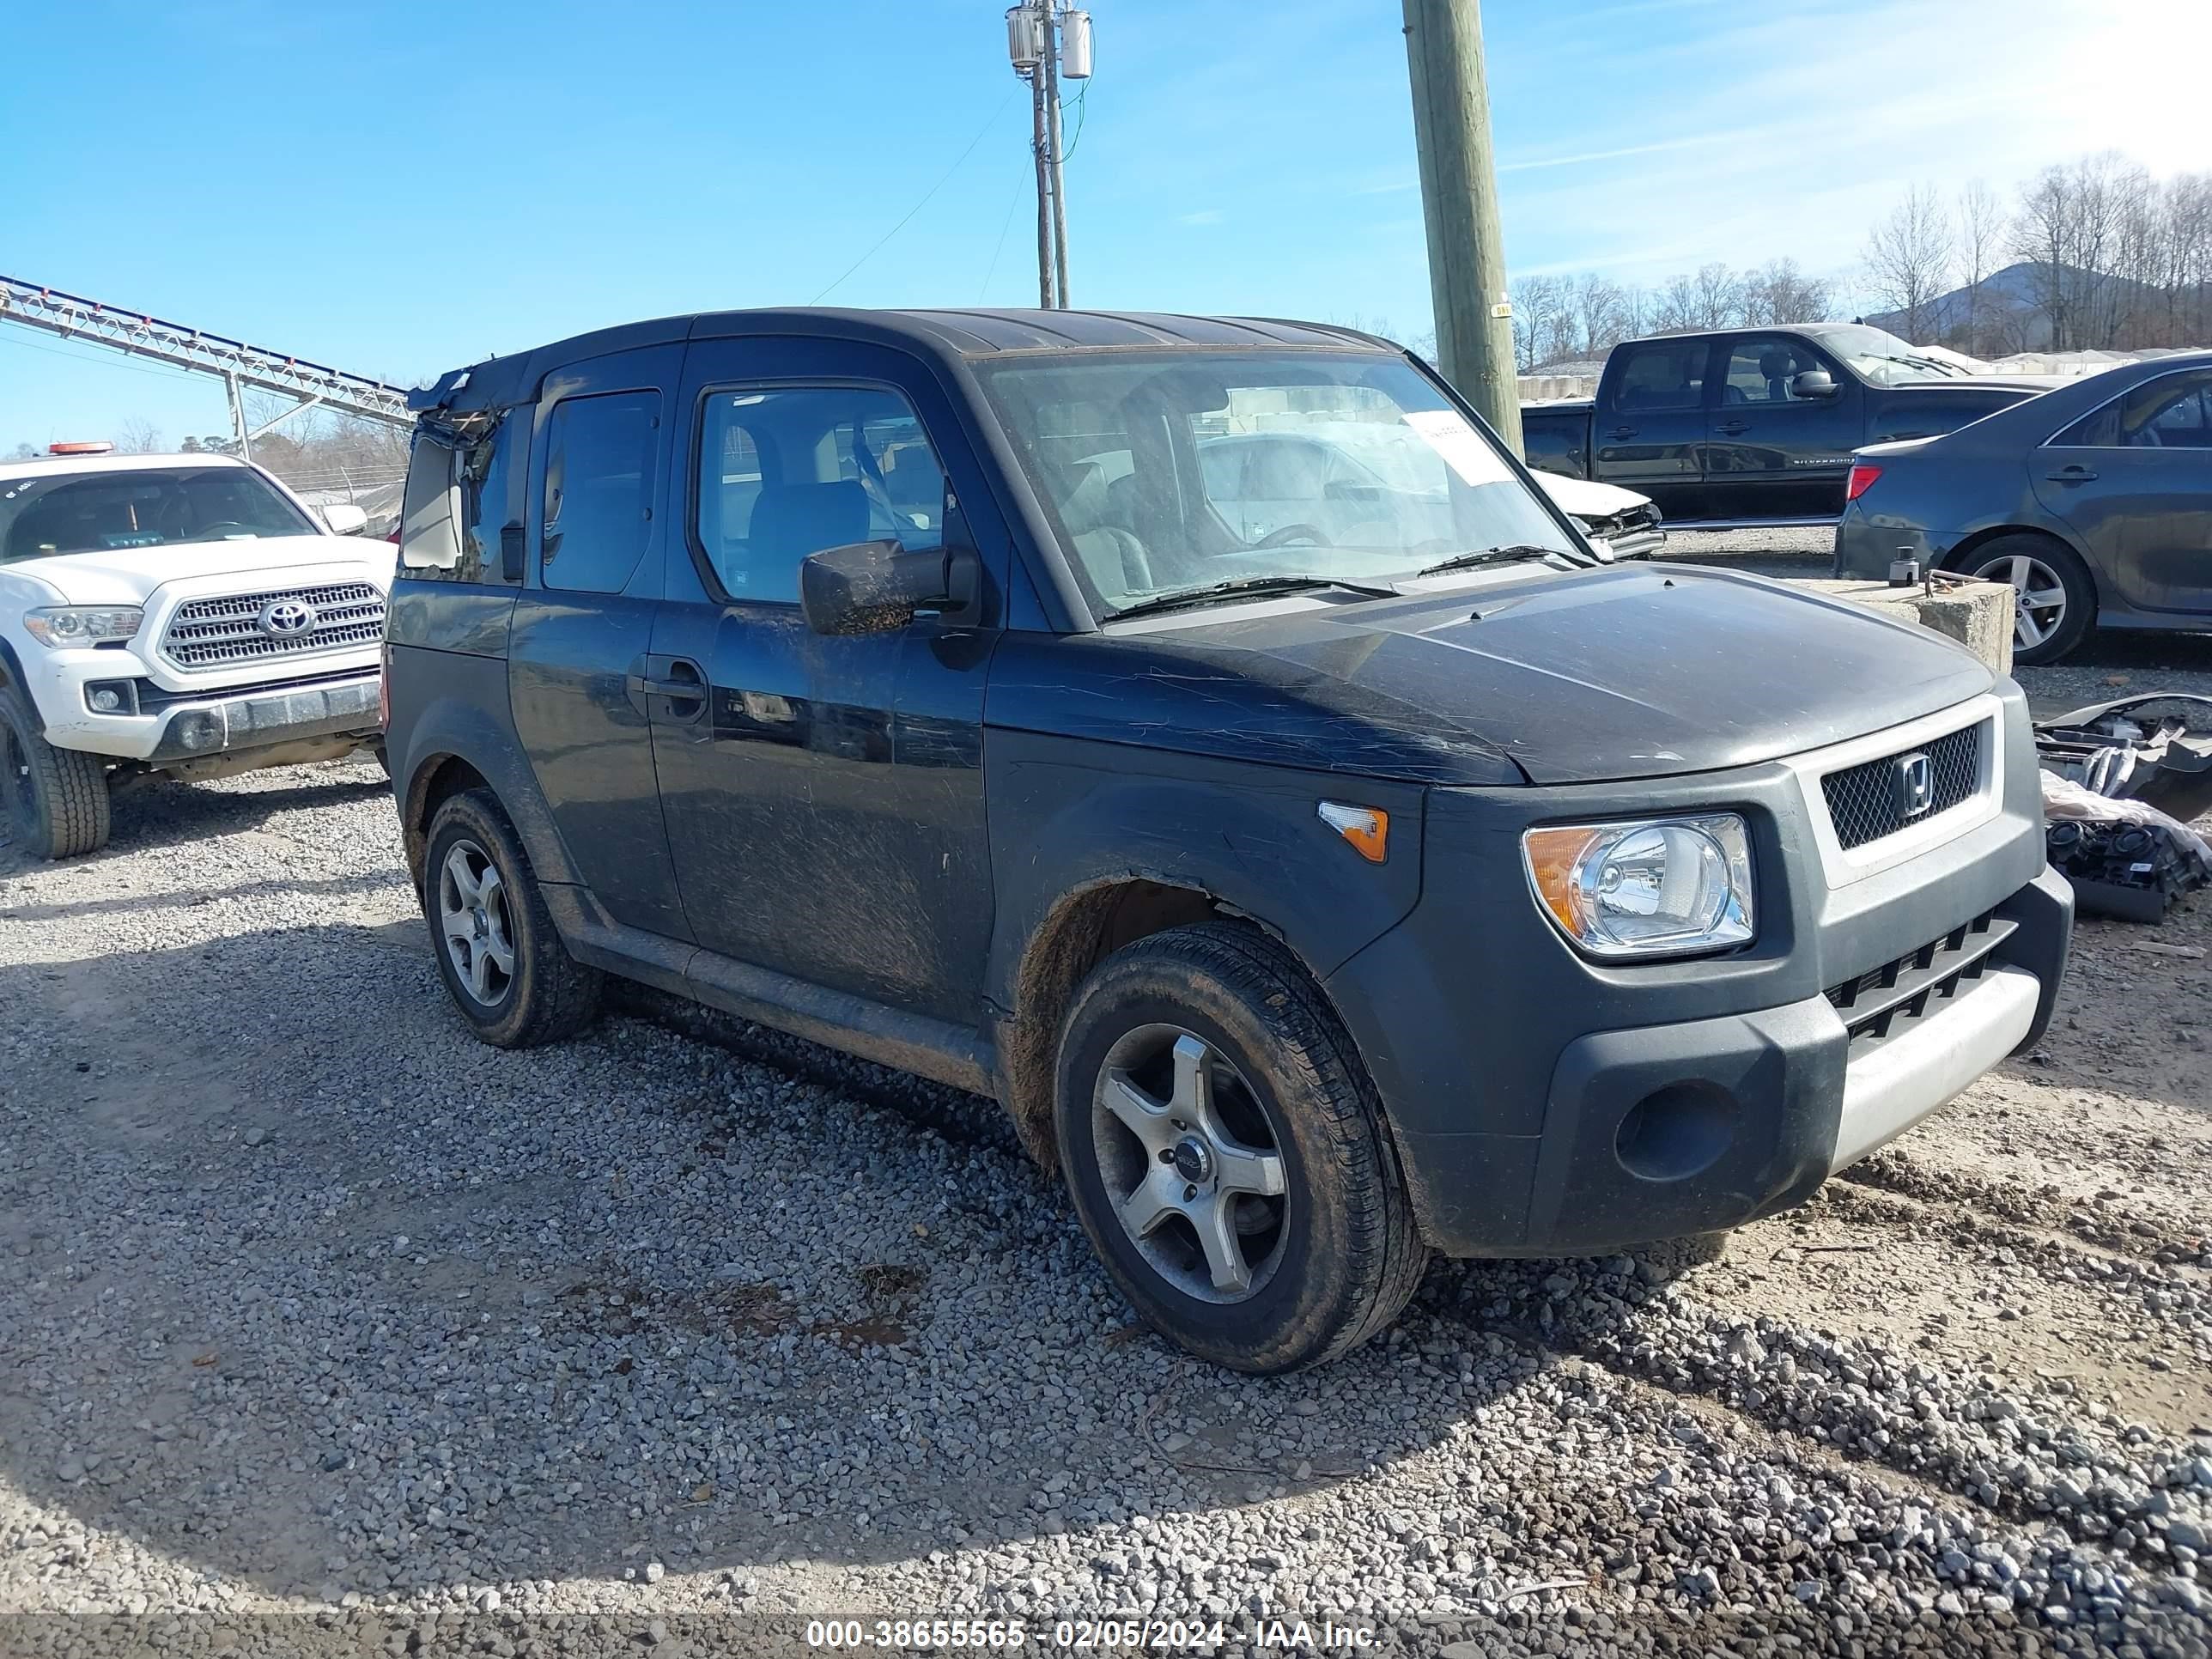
793,469
599,455
1663,374
2172,412
1761,368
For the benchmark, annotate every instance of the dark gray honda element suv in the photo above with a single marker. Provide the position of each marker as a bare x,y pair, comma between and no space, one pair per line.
1324,863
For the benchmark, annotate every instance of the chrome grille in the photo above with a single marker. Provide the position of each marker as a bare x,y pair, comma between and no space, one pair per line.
215,633
1863,800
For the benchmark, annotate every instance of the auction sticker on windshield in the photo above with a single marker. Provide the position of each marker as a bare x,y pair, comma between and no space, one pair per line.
1450,434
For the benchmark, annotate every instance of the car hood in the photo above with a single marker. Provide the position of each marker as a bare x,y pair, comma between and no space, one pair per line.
1583,498
2026,385
127,575
1547,678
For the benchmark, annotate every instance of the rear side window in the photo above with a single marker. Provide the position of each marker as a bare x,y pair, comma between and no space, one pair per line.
457,500
600,453
1663,374
791,470
2172,412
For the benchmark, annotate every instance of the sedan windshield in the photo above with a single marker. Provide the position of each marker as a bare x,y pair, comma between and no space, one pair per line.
1882,359
1171,473
104,511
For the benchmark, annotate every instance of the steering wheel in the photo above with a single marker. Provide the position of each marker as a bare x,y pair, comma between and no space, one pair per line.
1293,532
221,524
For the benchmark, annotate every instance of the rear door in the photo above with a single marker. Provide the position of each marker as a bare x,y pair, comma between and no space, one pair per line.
1771,453
583,625
1648,432
825,803
2135,481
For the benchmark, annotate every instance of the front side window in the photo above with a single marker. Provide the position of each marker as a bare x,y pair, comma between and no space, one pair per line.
1166,472
105,511
600,454
785,471
2172,412
1764,368
1663,374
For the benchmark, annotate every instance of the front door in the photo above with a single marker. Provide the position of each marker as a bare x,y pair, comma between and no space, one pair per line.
2135,481
584,623
1648,432
825,806
1772,453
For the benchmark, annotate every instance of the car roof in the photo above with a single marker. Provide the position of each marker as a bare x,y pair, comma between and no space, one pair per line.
48,465
499,382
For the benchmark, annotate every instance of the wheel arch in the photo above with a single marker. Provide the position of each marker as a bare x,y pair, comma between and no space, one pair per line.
455,745
12,678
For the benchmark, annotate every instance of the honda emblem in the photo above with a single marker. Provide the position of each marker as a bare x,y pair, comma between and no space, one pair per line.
1916,786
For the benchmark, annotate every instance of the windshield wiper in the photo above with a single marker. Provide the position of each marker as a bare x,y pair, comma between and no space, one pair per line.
1256,586
1508,554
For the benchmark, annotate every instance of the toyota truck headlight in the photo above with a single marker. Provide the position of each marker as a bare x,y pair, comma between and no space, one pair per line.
58,625
1649,887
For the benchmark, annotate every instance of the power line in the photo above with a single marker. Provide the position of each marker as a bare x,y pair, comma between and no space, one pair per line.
1013,201
918,206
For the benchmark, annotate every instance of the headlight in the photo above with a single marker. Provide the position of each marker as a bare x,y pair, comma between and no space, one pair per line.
83,624
1655,887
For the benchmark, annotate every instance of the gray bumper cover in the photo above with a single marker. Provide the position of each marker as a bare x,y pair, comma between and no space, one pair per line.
258,720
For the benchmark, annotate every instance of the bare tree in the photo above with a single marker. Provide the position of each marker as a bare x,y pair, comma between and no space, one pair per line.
23,452
2065,232
1720,297
1981,232
1908,257
138,436
1780,292
1601,314
1539,316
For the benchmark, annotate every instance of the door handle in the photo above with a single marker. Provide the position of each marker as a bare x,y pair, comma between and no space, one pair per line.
684,689
1622,432
1730,426
2072,475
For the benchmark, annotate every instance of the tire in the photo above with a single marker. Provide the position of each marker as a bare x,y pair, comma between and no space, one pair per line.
2033,565
1287,1163
497,950
55,799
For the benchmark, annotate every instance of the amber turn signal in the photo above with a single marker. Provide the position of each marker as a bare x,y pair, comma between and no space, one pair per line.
1367,828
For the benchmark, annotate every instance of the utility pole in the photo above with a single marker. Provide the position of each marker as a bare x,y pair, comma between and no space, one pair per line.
1047,42
1459,199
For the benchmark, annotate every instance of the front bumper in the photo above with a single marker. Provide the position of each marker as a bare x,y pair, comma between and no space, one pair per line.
163,727
1546,1105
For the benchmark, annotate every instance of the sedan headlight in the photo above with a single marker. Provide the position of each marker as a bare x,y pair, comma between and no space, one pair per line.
1650,887
83,624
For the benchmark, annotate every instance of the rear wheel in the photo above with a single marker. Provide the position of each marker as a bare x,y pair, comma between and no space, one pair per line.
2054,598
55,799
498,952
1227,1154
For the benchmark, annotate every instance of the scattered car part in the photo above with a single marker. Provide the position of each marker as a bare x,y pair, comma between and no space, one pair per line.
2109,750
2125,859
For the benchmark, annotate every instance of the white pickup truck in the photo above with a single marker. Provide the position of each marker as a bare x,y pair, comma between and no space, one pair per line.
181,614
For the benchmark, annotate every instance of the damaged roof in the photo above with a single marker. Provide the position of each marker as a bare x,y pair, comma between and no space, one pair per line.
499,382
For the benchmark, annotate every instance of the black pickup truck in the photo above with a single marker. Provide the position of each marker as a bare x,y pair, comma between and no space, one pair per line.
1756,424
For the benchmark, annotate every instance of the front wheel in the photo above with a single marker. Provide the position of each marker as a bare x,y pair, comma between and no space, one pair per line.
2054,597
55,799
1227,1154
498,952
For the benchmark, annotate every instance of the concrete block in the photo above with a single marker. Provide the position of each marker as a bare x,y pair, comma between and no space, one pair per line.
1978,614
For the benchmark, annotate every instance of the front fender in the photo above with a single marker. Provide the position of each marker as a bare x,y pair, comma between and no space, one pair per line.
1067,815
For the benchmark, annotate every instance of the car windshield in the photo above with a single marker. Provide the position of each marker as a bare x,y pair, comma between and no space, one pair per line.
102,511
1881,359
1167,473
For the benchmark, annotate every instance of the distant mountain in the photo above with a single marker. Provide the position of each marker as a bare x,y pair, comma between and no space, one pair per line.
2005,308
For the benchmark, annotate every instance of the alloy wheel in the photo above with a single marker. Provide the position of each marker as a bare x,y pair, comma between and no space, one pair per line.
2038,597
474,919
1191,1164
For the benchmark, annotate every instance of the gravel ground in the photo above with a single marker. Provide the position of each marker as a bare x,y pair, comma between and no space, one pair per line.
328,1330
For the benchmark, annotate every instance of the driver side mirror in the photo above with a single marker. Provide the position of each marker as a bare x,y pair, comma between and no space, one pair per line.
877,587
343,519
1813,383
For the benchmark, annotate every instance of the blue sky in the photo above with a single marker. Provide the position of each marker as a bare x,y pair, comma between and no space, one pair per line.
399,187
